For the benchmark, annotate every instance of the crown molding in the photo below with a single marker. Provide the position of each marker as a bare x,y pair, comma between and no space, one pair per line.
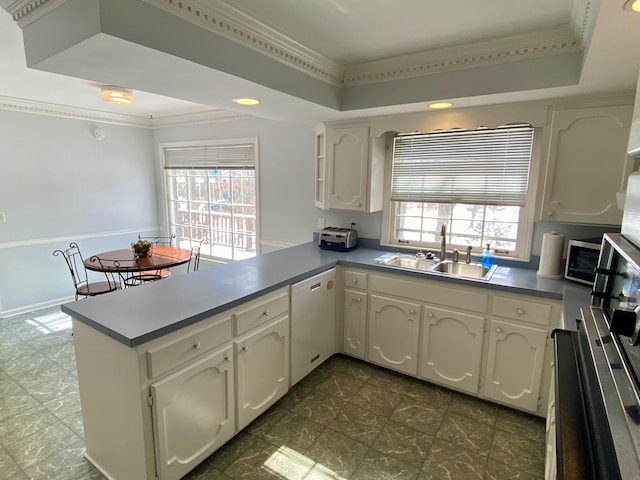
25,12
43,108
232,23
198,118
533,44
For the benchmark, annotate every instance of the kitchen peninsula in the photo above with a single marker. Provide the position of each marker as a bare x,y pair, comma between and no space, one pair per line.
217,342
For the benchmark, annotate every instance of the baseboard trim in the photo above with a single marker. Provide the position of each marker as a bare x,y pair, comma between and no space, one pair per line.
35,307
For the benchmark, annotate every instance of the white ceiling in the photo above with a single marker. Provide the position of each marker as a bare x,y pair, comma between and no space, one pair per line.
346,36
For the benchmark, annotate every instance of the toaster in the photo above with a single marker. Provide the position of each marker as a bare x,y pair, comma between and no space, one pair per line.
340,239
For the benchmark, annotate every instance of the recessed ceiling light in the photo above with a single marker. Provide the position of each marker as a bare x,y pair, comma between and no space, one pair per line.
246,101
633,5
116,95
439,105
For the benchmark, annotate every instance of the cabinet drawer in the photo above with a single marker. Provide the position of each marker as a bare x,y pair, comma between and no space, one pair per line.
523,310
187,347
261,310
355,279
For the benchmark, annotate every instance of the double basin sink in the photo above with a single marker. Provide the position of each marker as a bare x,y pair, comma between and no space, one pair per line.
455,269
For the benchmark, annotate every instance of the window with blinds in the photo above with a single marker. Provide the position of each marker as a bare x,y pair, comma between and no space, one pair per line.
474,181
212,197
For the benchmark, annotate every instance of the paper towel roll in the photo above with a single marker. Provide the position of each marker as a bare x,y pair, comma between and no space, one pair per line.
551,255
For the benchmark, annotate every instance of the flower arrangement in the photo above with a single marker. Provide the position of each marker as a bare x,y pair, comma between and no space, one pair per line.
141,248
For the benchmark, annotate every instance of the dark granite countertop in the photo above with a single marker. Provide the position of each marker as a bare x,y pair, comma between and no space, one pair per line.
137,315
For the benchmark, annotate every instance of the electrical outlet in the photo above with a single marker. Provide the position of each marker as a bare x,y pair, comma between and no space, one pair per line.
2,217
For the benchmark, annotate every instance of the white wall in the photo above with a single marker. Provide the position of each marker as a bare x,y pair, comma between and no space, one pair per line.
59,184
287,212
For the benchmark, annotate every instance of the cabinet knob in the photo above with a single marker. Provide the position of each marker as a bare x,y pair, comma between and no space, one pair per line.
430,315
549,214
197,346
412,311
358,299
265,313
553,421
358,204
227,358
499,330
354,280
520,311
245,349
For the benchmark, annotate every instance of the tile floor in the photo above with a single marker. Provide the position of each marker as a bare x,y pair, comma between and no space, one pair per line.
347,420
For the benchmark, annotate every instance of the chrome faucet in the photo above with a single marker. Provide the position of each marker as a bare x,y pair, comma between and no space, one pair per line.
443,242
468,259
455,255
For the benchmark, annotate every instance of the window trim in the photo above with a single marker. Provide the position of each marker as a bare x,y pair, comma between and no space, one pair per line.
525,226
165,214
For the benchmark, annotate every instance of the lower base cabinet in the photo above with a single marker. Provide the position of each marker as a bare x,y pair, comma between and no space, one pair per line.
193,413
355,323
452,348
515,362
262,364
393,333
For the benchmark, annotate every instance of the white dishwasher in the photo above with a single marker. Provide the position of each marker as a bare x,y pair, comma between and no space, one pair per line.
313,323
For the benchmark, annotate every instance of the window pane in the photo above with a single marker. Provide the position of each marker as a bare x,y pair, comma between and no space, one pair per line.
467,224
218,206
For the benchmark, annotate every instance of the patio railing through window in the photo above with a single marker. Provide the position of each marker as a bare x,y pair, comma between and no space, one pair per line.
228,235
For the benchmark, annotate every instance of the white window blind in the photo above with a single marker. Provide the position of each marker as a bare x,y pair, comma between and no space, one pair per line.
484,166
210,156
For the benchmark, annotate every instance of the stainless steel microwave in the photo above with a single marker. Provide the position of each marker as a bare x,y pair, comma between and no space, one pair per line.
582,260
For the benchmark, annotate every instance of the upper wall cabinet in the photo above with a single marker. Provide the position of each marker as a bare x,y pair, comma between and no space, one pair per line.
587,165
349,169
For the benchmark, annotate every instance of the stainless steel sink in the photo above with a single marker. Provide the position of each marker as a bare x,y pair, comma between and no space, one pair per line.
403,260
462,269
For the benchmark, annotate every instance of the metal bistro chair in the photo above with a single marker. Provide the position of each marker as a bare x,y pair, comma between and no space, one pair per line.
81,283
194,261
143,277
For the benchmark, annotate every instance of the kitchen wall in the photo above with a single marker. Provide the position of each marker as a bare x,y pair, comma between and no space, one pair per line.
59,184
287,211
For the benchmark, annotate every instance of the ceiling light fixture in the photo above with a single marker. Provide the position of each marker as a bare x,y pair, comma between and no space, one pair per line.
246,101
116,95
633,5
440,105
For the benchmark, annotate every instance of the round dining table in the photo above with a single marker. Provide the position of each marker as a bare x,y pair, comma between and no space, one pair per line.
123,260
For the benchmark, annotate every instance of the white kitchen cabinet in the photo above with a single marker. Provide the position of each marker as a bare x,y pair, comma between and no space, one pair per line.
320,164
515,360
355,323
587,165
354,316
193,413
262,369
349,169
452,344
155,411
394,327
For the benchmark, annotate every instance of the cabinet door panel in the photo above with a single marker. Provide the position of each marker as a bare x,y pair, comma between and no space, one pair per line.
452,348
193,413
355,320
262,361
514,365
393,332
348,157
588,164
